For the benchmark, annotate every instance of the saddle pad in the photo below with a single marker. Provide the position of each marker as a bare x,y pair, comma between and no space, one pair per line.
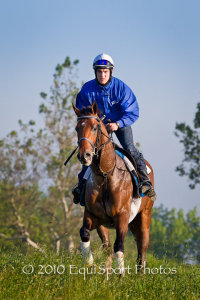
129,163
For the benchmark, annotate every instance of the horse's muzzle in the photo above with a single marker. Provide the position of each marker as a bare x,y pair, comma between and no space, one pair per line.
85,158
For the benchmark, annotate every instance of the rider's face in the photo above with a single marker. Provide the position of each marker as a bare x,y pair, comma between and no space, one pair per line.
103,75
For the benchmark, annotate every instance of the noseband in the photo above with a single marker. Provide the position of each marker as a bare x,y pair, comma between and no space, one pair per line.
95,146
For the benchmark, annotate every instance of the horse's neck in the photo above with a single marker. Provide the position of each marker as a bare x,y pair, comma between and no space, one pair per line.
107,158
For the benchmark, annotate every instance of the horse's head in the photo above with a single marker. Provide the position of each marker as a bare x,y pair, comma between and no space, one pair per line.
88,131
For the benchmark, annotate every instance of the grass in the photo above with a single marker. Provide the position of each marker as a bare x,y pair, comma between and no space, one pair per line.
45,282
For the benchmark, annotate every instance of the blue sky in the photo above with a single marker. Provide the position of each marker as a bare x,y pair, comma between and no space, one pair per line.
155,45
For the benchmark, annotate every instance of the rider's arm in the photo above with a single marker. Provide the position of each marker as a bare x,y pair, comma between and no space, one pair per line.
129,108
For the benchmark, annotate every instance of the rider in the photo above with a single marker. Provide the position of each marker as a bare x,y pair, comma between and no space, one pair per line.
118,103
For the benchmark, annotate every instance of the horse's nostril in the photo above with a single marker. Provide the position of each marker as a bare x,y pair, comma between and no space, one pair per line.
87,156
84,157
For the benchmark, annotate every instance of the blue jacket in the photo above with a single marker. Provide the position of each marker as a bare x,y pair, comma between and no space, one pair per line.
116,101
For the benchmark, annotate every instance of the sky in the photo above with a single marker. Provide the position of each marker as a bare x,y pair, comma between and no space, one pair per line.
156,49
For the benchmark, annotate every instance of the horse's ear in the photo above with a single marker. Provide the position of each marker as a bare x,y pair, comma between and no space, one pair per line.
77,111
94,108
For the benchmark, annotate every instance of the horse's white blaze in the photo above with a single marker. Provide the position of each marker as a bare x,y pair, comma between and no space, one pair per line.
120,261
86,252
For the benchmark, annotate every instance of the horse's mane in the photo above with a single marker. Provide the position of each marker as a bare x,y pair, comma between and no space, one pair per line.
87,111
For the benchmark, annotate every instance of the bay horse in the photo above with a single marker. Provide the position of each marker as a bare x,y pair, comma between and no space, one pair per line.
109,191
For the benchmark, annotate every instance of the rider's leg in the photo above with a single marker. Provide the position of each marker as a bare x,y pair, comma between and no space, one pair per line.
78,190
125,137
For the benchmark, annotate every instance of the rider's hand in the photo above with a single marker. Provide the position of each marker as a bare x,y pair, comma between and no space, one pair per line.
111,127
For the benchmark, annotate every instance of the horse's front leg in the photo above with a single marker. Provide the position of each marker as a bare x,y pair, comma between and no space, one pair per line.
89,223
121,222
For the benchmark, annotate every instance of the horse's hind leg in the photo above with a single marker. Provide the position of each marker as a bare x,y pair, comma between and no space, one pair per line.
104,236
140,227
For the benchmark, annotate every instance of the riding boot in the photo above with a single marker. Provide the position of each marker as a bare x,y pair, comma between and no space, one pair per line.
79,189
146,185
82,195
78,192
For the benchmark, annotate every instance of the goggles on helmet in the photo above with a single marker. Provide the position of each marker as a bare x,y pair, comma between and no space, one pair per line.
102,63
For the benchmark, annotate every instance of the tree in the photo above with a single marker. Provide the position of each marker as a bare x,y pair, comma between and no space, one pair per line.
35,186
19,193
190,138
175,235
58,141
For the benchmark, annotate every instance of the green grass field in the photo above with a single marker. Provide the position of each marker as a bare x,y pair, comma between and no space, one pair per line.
47,276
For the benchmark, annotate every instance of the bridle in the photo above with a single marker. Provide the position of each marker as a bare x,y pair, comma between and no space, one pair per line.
96,147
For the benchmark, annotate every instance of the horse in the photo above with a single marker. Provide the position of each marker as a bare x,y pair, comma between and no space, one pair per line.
109,192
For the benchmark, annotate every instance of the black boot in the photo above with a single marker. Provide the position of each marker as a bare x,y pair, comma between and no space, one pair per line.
146,185
79,193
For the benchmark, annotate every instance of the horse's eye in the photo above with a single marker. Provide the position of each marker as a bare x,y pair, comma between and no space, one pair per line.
76,128
94,128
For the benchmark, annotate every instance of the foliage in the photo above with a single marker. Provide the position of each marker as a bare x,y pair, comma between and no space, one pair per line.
190,138
32,161
58,141
175,235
